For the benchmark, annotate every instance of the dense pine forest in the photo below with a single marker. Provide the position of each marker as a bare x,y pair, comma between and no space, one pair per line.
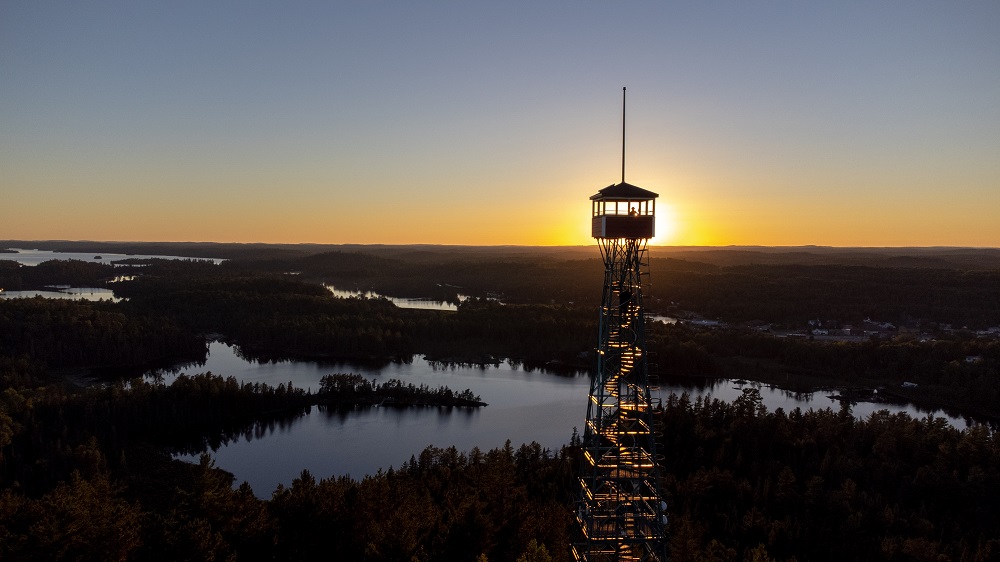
86,471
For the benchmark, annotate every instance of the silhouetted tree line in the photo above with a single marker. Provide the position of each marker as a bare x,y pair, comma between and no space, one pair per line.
944,286
899,290
47,432
77,273
747,484
956,371
742,484
794,294
550,336
44,431
274,316
355,389
275,313
82,482
80,334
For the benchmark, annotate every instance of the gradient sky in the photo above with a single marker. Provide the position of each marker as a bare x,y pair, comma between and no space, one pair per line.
775,123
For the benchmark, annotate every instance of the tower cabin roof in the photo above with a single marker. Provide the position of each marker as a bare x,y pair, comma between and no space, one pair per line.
623,192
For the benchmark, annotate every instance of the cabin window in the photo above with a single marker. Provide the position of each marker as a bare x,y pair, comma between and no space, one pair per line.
623,208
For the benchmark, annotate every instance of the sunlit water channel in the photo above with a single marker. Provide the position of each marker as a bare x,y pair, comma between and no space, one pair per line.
68,293
425,304
523,407
26,256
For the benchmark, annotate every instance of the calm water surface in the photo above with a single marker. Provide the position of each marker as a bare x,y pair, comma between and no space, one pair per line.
425,304
35,257
523,407
70,293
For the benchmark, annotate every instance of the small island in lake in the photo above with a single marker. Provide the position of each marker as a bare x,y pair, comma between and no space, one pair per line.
355,390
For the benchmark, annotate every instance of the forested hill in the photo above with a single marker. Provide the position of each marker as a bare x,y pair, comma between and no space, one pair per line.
932,257
734,284
86,473
944,286
729,285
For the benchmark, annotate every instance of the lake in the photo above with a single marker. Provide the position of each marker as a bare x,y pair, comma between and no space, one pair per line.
70,293
35,257
524,406
424,304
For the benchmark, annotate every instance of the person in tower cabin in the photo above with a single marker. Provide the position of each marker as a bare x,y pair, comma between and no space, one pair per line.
632,212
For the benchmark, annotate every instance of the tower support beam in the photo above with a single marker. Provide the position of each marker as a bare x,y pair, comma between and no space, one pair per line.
621,512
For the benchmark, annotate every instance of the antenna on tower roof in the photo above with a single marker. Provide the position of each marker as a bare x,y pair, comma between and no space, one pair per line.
623,134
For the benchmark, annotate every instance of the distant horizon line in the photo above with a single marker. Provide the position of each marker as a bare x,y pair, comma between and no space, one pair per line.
6,243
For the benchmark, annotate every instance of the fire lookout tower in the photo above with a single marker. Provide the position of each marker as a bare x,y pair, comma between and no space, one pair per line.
621,511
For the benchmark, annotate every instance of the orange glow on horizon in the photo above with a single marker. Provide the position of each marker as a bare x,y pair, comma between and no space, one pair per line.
692,214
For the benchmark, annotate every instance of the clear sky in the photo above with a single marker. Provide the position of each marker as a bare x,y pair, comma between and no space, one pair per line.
776,123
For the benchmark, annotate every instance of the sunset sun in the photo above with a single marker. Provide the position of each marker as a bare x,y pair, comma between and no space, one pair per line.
666,225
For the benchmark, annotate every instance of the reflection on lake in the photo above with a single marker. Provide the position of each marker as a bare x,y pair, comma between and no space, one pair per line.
426,304
69,293
523,407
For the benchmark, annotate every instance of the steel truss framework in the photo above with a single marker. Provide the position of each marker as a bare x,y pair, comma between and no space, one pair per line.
621,511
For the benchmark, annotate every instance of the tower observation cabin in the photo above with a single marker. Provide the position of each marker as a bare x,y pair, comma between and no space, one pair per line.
623,211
